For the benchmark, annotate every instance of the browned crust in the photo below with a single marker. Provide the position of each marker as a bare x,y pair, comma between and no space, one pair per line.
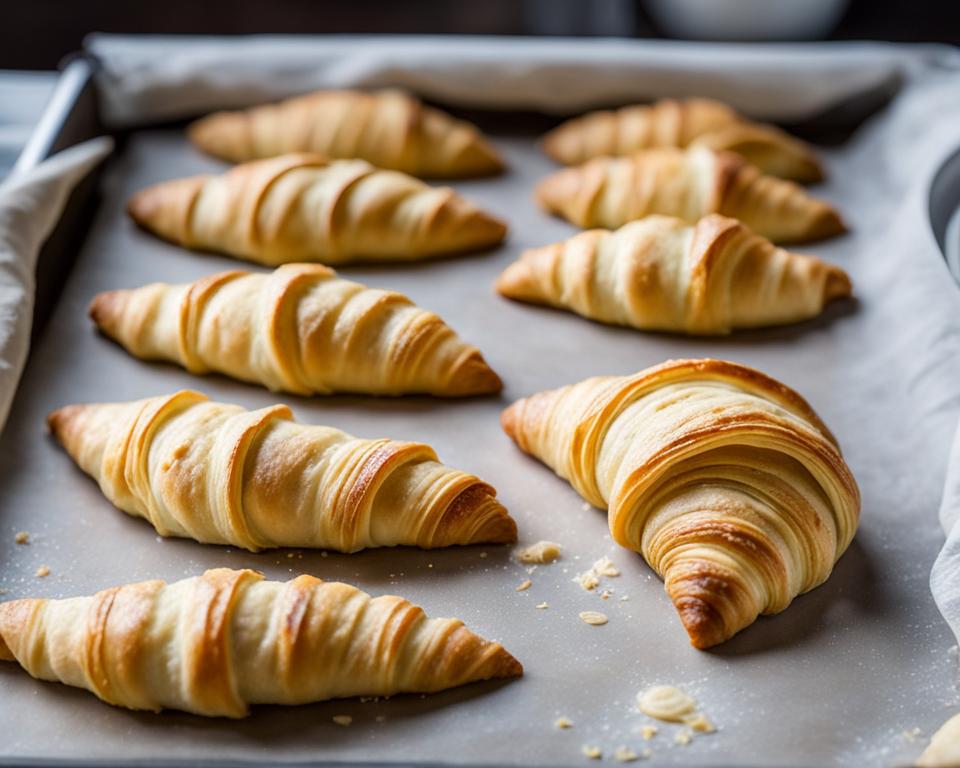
208,660
16,618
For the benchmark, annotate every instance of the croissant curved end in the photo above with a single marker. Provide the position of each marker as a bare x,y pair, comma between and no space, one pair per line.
63,421
14,618
473,376
218,135
837,286
828,224
510,420
106,310
502,665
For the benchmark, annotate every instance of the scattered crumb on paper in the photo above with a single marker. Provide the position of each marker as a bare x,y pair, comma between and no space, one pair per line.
648,732
593,617
588,580
591,751
22,537
524,585
683,738
666,702
483,554
699,722
625,755
605,567
913,734
43,571
542,606
342,719
542,552
563,723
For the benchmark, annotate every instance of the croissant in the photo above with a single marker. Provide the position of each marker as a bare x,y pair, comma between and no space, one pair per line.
658,273
217,643
304,208
611,191
299,329
725,480
256,479
682,123
389,128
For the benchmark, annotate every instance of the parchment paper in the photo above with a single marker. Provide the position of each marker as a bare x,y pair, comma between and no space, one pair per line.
836,679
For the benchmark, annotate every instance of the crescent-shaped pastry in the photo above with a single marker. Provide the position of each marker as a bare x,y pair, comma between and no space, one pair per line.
304,208
682,123
659,273
725,480
689,184
219,474
215,644
298,329
389,128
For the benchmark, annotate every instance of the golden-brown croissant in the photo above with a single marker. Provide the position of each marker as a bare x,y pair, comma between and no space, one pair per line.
682,123
611,191
256,479
217,643
725,480
389,128
297,329
659,273
304,208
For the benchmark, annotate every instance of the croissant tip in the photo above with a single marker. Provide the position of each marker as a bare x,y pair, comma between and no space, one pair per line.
837,286
63,420
501,529
509,421
473,376
504,665
703,624
144,205
105,309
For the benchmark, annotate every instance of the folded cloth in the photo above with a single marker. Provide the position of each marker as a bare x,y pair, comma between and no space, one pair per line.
146,79
30,205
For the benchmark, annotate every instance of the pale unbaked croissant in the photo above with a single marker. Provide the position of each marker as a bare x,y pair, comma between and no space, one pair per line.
389,128
725,480
304,208
682,123
217,643
297,329
611,191
256,479
659,273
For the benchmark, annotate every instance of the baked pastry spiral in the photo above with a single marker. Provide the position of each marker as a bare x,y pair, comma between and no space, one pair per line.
388,128
299,329
682,123
304,208
217,643
725,480
689,184
219,474
659,273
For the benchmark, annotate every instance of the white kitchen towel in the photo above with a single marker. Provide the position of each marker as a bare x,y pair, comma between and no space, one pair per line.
30,205
145,79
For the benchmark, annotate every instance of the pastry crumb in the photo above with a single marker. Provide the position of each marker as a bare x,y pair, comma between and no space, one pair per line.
605,595
483,554
683,738
323,554
562,723
542,552
913,734
586,506
699,722
22,538
542,606
343,720
625,755
594,618
605,567
591,751
624,598
524,585
588,580
648,732
43,571
381,718
666,702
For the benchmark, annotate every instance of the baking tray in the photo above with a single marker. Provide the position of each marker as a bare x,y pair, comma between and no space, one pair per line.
837,678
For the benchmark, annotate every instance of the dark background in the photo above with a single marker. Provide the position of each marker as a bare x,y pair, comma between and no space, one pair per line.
37,34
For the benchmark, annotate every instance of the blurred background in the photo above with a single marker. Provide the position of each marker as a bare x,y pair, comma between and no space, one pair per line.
37,34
